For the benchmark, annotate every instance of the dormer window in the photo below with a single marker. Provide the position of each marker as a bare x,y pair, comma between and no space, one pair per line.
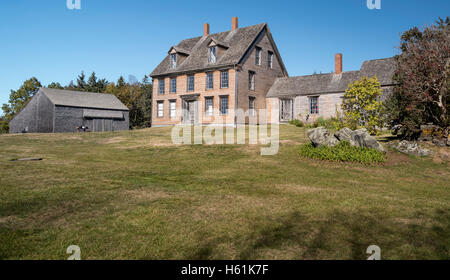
173,60
212,54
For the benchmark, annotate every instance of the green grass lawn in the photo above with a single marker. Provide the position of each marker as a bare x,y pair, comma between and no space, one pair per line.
134,195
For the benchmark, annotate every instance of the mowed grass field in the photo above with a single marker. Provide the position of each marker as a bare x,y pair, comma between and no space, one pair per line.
135,195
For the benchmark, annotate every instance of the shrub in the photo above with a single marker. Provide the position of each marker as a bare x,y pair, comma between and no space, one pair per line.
361,104
334,123
297,123
342,152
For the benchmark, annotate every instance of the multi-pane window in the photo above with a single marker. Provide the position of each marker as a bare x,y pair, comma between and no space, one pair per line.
173,109
190,83
209,80
162,87
224,79
209,103
173,85
212,54
224,105
270,59
251,105
251,80
314,105
258,56
160,109
173,60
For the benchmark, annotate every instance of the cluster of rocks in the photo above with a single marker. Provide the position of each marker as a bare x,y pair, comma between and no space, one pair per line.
360,138
435,134
412,148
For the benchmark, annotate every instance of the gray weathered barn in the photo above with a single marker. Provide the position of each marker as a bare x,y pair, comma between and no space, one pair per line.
52,111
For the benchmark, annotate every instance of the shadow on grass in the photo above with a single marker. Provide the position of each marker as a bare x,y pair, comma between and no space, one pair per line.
340,235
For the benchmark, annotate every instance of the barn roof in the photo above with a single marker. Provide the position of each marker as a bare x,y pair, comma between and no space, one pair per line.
333,83
237,42
83,99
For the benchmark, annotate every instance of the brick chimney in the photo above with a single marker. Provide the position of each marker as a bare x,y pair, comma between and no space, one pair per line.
205,29
234,23
338,63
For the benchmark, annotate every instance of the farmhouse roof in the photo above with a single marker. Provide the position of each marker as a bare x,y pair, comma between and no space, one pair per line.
333,83
237,41
83,99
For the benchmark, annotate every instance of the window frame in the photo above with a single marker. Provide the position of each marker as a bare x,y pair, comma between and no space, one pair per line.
173,87
221,99
160,102
209,83
222,73
251,101
270,59
173,60
161,86
209,113
212,54
251,80
315,110
172,110
258,56
188,83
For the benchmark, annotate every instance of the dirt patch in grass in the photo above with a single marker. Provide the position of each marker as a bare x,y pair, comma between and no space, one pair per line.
114,140
395,158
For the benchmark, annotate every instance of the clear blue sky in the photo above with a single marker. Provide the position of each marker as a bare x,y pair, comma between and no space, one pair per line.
43,38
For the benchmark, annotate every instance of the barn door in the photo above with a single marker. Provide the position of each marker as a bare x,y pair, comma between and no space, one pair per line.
98,125
107,125
101,125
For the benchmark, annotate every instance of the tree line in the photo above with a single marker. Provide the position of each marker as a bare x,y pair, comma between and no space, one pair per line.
137,96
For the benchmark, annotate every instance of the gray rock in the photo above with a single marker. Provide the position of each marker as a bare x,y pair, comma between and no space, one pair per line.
362,138
322,137
345,134
440,142
412,148
359,138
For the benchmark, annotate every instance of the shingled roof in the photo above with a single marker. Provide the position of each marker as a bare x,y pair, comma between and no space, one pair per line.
333,83
238,41
83,99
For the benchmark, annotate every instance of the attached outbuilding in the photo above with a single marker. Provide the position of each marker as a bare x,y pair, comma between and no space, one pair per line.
53,111
309,97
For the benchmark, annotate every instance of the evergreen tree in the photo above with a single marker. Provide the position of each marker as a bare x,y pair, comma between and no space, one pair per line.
55,86
81,83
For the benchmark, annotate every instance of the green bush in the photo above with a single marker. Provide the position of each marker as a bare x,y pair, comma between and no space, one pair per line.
297,123
342,152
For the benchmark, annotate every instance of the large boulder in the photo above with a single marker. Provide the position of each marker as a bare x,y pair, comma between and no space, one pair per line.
345,134
412,148
359,138
362,138
322,137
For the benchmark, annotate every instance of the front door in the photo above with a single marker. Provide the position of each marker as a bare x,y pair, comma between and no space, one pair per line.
286,110
190,111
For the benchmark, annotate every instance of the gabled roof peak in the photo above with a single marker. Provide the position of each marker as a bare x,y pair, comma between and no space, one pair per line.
237,41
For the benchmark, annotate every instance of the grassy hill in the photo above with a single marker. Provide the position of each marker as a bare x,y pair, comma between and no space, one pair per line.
135,195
